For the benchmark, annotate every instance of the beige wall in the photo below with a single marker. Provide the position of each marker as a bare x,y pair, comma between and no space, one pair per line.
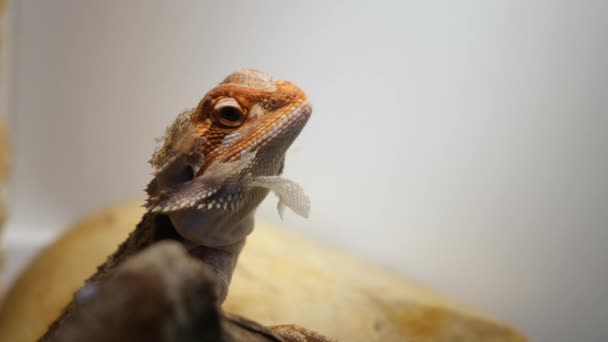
4,146
462,145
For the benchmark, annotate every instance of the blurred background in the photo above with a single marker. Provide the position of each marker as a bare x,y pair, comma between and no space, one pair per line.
460,144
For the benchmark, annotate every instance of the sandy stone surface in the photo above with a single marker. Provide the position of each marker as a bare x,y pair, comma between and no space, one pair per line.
281,278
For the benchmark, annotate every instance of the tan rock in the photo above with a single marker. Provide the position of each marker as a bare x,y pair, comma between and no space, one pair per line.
281,278
47,285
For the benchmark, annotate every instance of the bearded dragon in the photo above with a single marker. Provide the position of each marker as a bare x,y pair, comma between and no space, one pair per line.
213,167
218,161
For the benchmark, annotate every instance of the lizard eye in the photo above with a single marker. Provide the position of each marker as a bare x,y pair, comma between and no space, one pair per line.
228,113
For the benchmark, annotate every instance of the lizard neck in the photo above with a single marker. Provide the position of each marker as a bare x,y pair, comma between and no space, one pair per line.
219,227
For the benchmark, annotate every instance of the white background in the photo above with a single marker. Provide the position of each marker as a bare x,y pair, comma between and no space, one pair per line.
462,144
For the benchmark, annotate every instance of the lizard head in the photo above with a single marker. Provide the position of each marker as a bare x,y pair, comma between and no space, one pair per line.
250,112
219,160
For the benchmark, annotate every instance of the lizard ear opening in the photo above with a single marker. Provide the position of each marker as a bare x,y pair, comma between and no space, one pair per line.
188,172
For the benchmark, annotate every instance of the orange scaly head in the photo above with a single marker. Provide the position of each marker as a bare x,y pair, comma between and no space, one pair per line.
245,112
218,161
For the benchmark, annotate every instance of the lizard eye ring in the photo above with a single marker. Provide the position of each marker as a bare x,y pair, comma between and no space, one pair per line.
228,113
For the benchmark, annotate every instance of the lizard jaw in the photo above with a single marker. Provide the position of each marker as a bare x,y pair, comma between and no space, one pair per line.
285,130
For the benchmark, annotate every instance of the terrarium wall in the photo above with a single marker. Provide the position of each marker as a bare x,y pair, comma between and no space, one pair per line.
4,144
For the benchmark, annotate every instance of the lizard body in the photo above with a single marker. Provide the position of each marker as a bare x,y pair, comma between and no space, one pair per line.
218,161
162,294
213,167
